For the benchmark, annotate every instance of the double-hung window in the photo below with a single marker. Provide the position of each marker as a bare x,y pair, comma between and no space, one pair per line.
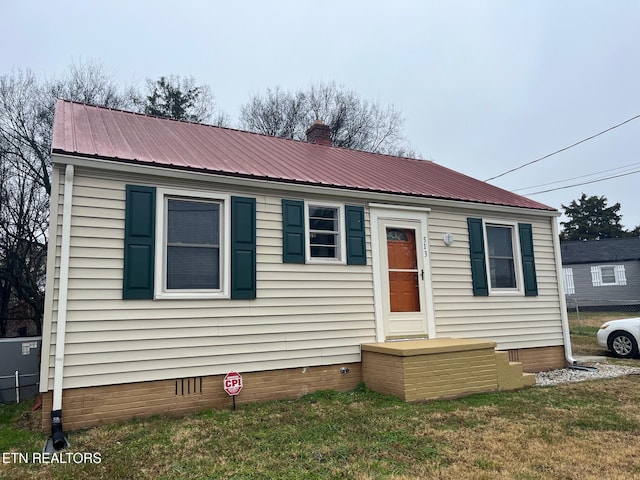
191,246
608,275
320,232
188,244
500,257
325,227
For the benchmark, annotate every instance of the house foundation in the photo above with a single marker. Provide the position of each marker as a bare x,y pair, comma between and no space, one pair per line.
90,406
411,370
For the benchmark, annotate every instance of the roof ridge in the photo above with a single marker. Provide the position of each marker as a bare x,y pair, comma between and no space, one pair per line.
189,145
238,130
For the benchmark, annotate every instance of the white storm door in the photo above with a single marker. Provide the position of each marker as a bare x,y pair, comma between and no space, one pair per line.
402,271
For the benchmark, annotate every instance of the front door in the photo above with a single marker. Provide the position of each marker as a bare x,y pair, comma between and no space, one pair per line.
403,274
402,266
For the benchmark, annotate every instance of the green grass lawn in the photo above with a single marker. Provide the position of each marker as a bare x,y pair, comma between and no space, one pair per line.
587,430
567,431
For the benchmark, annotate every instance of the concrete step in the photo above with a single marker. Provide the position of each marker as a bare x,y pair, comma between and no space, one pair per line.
510,374
529,379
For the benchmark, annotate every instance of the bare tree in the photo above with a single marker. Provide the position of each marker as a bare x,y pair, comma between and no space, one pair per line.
278,114
25,133
181,99
90,83
27,108
26,124
24,210
355,123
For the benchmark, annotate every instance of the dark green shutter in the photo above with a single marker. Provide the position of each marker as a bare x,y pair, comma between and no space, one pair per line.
243,248
356,246
293,231
478,263
528,261
139,241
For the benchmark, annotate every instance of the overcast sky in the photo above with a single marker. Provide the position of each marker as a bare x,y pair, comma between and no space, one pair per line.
484,86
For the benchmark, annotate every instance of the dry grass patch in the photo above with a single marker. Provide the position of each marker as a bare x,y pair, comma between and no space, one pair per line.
585,431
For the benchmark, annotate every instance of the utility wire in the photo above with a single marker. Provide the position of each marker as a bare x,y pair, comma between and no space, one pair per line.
563,149
609,170
583,183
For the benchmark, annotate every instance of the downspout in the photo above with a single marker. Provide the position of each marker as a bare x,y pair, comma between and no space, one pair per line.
568,354
57,434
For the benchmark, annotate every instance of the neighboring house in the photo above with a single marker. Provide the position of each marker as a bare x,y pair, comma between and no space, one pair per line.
602,273
180,252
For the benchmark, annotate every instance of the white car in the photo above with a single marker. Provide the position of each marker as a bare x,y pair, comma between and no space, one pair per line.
621,337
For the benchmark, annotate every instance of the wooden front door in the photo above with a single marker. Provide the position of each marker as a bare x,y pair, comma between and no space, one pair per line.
404,291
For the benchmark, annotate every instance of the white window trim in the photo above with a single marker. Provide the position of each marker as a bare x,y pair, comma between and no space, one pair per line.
517,258
618,272
160,290
341,243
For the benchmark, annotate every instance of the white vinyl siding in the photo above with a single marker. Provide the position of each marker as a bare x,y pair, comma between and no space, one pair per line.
304,315
511,321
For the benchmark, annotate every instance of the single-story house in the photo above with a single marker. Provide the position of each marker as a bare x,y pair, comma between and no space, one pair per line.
181,252
602,274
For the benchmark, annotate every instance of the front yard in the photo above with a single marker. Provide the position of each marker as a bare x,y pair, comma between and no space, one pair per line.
583,430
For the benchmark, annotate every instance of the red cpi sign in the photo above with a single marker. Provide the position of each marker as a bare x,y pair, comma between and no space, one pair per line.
233,383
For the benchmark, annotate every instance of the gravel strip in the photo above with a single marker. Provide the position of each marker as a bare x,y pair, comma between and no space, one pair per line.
568,375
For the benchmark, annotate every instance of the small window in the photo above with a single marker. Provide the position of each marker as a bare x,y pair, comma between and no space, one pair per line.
608,275
502,271
396,235
324,230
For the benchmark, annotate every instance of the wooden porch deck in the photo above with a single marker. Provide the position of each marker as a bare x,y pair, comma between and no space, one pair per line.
415,370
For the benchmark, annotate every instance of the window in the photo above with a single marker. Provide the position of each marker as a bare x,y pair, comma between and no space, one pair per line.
502,258
502,272
182,244
608,275
329,233
324,231
192,245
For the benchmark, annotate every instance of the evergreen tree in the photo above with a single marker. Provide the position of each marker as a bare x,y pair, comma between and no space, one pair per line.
180,99
590,218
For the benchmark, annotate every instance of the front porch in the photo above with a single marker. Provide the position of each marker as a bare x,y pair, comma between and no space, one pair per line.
416,370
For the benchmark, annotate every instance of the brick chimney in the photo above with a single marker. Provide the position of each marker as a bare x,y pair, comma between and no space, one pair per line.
319,133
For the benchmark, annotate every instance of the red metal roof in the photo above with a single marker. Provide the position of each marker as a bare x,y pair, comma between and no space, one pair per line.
96,132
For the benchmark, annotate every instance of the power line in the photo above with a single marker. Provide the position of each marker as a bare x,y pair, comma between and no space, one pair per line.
563,149
625,167
584,183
